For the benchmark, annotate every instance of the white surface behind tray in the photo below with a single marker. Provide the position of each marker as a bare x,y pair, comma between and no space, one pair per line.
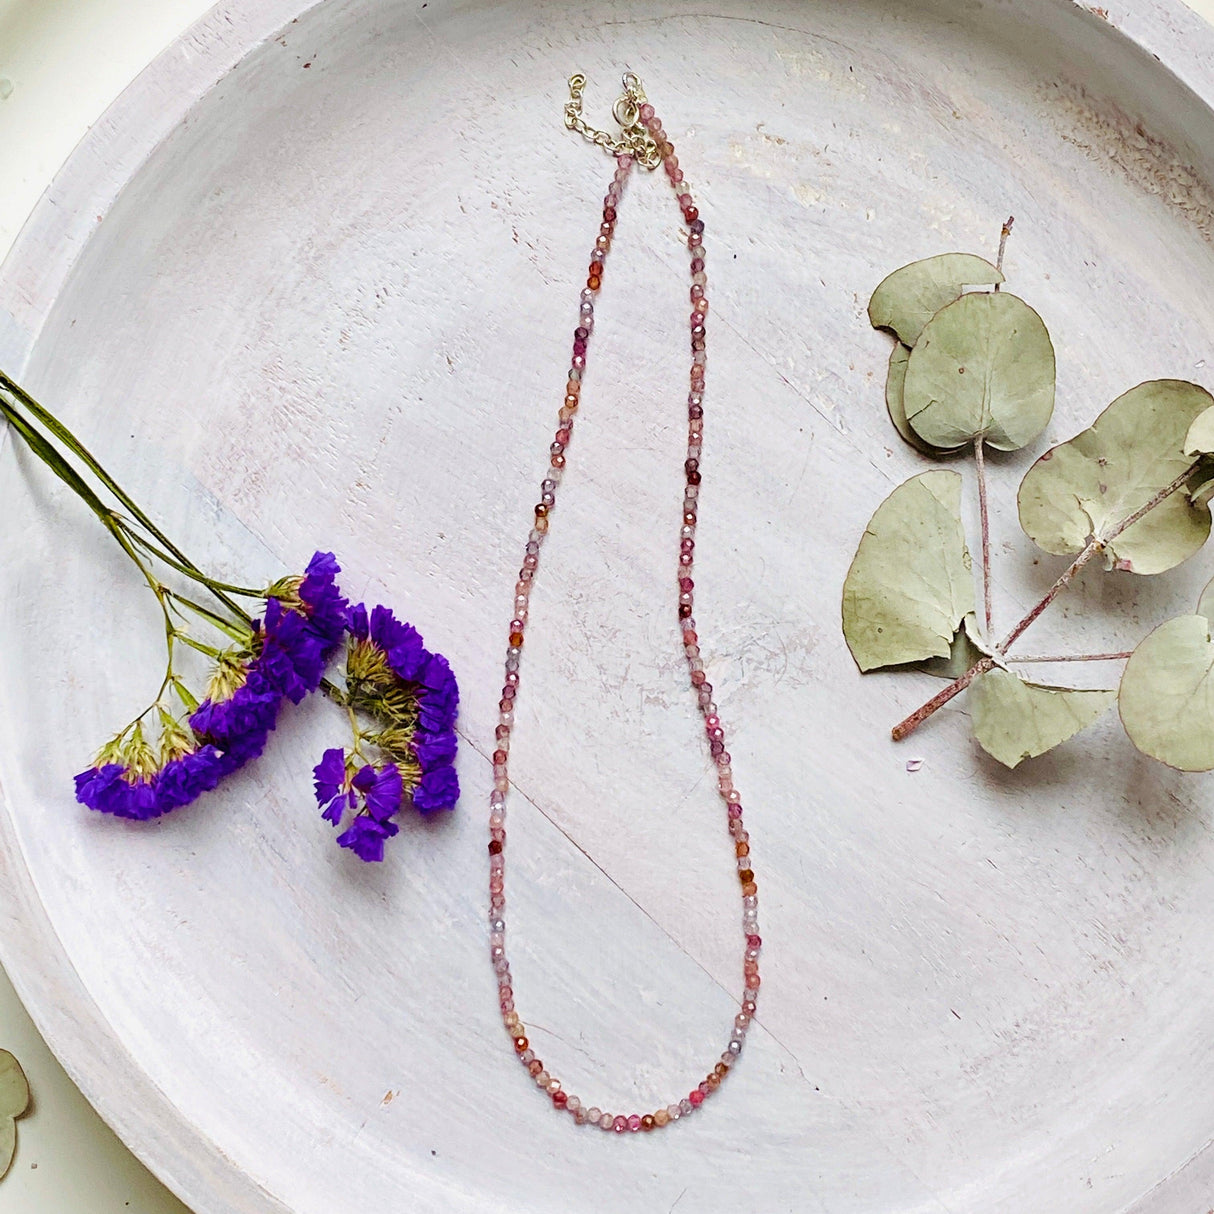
57,124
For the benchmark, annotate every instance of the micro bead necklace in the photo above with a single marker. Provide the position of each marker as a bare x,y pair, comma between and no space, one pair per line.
643,140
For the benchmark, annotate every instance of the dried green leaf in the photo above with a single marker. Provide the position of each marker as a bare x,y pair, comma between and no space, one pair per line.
894,382
1200,436
983,367
1205,605
1088,486
14,1100
910,584
1202,494
967,649
1015,720
1167,694
909,297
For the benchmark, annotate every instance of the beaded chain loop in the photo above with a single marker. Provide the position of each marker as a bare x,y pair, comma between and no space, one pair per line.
561,1099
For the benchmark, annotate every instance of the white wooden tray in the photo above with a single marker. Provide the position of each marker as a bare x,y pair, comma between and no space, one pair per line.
308,284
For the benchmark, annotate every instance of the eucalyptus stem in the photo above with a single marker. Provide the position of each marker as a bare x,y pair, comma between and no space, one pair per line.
1004,233
1075,657
938,701
985,523
1094,546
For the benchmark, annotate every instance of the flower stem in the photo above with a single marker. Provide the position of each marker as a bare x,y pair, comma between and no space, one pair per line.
1094,546
239,634
209,650
53,460
985,523
45,450
192,573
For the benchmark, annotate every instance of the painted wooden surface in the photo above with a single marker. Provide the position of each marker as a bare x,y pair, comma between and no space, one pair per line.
308,284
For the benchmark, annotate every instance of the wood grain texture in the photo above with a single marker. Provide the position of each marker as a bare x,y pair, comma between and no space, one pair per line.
327,305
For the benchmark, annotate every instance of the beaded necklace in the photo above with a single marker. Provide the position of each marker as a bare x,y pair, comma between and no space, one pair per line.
642,141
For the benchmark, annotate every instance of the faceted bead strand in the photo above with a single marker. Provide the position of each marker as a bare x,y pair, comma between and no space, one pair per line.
562,1100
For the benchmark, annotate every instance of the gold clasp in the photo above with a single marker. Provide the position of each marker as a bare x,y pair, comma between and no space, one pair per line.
634,140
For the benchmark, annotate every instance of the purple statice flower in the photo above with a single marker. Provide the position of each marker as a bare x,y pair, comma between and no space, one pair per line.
416,697
434,749
440,695
292,652
381,790
332,792
323,602
184,779
114,788
372,793
437,789
400,642
109,789
304,620
290,648
239,723
365,837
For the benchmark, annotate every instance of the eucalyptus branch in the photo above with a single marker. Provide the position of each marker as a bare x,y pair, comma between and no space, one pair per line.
1094,546
1004,233
1075,657
908,726
985,523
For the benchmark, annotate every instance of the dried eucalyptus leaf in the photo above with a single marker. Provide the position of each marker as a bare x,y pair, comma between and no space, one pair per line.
894,382
14,1100
1167,694
1205,605
909,297
1015,720
1089,485
968,648
1200,437
1202,494
983,367
910,584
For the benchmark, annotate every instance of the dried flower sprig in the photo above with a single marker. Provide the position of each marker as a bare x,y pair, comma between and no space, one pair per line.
401,699
402,702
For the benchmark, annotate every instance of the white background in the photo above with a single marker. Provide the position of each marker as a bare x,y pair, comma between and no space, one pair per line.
65,60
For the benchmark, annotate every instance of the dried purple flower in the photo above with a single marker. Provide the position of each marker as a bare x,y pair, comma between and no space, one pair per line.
365,838
291,644
324,603
332,791
130,791
410,692
304,620
380,789
437,789
440,699
372,793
